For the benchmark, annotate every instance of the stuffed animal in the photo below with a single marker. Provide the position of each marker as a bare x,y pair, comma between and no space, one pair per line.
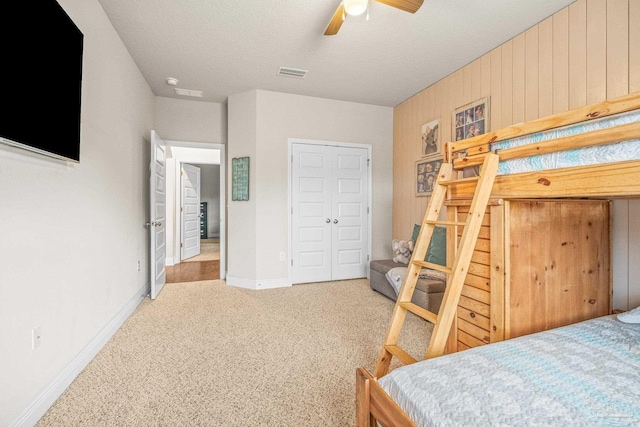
403,249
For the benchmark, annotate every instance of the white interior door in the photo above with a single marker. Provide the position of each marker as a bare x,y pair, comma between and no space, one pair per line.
329,212
157,222
311,186
190,190
350,195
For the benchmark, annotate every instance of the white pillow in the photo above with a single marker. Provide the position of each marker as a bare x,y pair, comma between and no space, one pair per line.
631,316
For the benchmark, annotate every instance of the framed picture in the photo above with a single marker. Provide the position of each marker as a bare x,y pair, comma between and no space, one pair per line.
426,174
471,120
431,139
468,121
240,179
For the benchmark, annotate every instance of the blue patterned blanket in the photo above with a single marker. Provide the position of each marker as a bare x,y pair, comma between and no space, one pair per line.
587,374
611,153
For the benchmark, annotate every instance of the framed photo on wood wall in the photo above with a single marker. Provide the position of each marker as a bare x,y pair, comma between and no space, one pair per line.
468,121
426,174
471,120
431,139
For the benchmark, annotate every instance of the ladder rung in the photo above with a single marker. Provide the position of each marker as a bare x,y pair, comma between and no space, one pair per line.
432,266
460,181
402,355
419,311
445,223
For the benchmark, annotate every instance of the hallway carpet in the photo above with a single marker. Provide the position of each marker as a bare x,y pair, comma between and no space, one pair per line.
207,354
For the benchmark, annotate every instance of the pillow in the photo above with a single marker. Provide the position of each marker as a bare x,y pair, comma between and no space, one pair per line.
632,316
437,250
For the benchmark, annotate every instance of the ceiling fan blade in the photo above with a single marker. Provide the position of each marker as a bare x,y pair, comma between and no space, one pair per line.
410,6
336,22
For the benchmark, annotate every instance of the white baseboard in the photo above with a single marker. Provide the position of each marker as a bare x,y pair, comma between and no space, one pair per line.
257,284
41,404
168,262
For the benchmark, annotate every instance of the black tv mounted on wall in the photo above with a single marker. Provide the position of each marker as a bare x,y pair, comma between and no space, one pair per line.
41,76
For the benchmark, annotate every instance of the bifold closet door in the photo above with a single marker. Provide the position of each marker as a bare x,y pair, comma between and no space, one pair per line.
329,213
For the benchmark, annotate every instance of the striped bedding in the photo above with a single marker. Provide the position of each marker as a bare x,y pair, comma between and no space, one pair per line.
611,153
586,374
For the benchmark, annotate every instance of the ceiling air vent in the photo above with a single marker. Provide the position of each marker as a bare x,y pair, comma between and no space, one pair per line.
292,72
189,92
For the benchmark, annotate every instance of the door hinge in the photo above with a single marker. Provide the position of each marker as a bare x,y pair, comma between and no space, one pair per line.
367,257
367,209
291,210
368,161
180,244
180,208
292,262
292,158
180,173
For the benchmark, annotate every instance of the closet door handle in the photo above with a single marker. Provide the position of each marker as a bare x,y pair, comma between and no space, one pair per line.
335,221
328,220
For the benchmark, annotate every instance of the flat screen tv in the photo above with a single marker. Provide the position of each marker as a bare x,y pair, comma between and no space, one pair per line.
41,76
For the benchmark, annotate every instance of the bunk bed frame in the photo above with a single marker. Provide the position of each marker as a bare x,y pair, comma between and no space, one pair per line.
609,180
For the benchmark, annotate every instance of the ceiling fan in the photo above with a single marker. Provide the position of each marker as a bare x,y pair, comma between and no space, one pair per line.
358,7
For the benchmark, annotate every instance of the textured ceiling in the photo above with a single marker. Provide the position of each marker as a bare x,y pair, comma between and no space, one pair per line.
224,47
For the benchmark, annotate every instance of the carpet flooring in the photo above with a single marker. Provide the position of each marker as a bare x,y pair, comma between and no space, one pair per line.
207,354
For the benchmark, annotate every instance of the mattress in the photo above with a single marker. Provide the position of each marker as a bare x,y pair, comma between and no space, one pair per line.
586,374
610,153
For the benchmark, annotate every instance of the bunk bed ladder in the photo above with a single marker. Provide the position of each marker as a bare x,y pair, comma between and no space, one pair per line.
455,275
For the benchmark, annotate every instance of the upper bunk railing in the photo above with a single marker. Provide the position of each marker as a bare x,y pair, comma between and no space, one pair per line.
621,179
480,145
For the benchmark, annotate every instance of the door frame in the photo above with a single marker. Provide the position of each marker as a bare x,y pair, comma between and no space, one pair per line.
368,147
223,195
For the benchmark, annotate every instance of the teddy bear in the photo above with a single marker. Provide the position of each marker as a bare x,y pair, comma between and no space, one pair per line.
403,249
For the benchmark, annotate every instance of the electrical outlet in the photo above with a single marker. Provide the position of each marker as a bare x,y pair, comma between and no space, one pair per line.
36,337
282,256
138,265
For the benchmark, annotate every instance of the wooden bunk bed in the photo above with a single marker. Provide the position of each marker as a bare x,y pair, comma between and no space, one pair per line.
577,194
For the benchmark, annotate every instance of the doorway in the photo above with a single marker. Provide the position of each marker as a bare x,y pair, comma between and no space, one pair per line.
197,226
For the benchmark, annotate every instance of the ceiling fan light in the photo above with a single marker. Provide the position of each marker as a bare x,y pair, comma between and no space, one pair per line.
355,7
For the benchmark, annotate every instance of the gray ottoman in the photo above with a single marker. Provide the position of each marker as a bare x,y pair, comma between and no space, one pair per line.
428,293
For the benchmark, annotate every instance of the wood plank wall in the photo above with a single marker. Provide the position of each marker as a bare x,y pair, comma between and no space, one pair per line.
626,254
583,54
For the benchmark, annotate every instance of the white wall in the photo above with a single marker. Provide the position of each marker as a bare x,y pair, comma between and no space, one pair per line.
278,117
241,216
187,120
72,233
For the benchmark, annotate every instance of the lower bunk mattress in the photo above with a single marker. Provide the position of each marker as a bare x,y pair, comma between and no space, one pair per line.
586,374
